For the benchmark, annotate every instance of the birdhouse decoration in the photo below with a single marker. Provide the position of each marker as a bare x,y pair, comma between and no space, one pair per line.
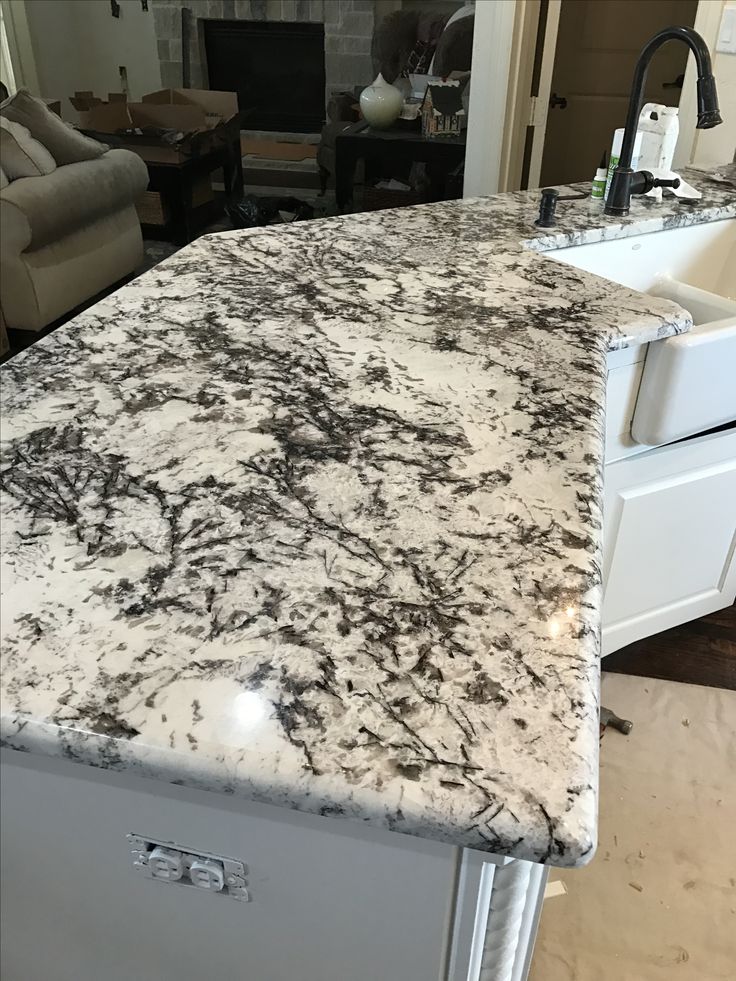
442,108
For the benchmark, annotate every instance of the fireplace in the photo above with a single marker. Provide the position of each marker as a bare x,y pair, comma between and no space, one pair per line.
277,69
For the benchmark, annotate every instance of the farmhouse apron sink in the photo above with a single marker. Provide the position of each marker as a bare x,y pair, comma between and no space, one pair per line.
688,381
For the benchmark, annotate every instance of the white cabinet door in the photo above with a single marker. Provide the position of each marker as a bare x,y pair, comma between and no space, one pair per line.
670,531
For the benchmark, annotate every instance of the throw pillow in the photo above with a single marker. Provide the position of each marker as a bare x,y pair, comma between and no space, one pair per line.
3,179
20,154
64,144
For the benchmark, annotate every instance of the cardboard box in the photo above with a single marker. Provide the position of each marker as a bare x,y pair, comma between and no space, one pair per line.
86,100
202,118
215,107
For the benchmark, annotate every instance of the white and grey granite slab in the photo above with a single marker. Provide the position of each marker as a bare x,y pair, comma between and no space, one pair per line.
312,515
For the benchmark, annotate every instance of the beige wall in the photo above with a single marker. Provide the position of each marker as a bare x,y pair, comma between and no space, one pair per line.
78,44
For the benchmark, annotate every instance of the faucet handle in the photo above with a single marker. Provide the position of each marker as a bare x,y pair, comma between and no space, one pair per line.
644,180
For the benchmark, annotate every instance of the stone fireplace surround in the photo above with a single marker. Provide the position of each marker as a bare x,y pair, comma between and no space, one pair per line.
348,32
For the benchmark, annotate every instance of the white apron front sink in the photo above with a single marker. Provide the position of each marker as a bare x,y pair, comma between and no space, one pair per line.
688,383
700,255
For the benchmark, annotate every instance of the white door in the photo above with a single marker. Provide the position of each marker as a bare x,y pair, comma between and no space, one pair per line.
670,534
596,44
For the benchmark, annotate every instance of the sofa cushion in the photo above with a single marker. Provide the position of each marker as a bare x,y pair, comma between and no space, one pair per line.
3,179
64,144
20,154
38,287
72,197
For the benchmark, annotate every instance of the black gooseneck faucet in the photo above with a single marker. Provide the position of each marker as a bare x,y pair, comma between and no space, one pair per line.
625,181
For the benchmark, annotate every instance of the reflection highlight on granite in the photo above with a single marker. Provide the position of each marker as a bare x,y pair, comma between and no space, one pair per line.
249,709
292,517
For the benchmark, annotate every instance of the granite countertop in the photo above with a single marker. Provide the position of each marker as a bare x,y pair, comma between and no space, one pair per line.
312,515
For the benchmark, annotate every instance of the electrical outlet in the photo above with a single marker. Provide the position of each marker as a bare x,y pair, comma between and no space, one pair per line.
206,874
166,864
166,861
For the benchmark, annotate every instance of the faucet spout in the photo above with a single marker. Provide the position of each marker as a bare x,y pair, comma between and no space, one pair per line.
619,195
708,112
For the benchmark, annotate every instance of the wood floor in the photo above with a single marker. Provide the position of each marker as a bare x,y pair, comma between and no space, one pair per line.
702,652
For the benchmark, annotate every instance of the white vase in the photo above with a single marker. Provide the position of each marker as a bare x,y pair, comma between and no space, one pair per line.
381,103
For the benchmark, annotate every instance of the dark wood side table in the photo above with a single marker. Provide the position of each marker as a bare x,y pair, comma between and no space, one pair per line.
442,154
175,172
175,183
4,343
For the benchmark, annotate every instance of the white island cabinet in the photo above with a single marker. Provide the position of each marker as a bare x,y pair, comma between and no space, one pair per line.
326,900
302,599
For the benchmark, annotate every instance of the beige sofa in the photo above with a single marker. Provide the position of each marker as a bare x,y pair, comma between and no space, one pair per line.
68,235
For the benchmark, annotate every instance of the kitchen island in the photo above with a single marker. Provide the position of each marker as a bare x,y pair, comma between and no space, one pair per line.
309,519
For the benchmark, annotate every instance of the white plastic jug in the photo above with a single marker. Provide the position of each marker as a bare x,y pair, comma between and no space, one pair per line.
659,127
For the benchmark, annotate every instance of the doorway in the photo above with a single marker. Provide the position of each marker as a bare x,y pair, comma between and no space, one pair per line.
598,43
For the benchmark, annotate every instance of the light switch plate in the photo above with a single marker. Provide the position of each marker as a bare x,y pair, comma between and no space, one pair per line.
165,861
727,33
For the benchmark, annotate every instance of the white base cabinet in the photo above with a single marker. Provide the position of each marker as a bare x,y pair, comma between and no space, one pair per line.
669,538
330,900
